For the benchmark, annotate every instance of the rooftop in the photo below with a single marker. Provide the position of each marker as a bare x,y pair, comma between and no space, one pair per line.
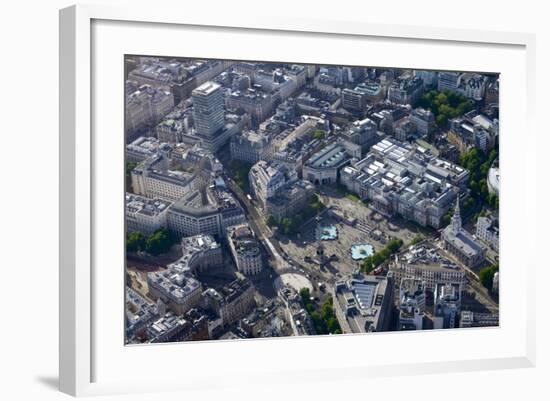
463,240
331,156
206,89
361,299
140,205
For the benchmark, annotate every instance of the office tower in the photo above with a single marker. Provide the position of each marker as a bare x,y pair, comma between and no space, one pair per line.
208,109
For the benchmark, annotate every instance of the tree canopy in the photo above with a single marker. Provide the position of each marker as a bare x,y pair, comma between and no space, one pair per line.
319,134
376,259
478,164
159,242
323,317
240,170
135,241
445,105
486,275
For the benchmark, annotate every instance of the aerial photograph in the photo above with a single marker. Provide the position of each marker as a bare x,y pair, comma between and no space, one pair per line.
277,199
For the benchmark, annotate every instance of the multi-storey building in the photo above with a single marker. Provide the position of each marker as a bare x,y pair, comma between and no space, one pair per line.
373,92
399,178
139,314
404,129
353,100
146,106
423,120
171,130
363,304
476,319
245,249
208,109
298,73
473,130
492,92
465,135
460,243
429,78
425,263
298,318
447,299
257,103
199,253
487,231
389,117
250,146
181,77
289,200
153,179
406,91
176,287
279,82
472,85
204,211
232,302
175,328
329,79
323,167
412,304
141,148
448,80
144,214
266,179
362,133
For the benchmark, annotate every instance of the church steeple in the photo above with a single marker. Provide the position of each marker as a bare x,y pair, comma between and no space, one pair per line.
456,221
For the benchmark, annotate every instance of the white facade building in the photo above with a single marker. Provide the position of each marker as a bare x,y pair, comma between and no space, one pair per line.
145,215
448,80
153,179
447,301
245,249
412,304
399,178
147,105
460,243
208,109
423,120
487,231
209,212
266,179
199,253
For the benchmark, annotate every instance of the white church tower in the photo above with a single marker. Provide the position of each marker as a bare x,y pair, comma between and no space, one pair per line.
456,221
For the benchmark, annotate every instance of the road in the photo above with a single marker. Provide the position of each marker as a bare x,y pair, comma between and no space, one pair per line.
480,291
257,223
263,232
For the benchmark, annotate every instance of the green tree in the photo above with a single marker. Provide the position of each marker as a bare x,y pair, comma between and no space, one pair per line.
271,221
478,164
159,242
304,294
135,241
373,261
240,171
445,105
319,134
486,275
332,325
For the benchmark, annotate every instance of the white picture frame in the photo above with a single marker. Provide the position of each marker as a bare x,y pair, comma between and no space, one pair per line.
81,343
